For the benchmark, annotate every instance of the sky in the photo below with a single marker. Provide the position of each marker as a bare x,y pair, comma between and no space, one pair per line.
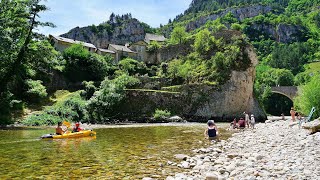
67,14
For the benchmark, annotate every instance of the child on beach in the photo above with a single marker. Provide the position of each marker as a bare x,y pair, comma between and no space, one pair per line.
212,131
293,114
252,121
246,118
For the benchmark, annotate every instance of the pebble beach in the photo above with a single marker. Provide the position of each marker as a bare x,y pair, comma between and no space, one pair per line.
273,150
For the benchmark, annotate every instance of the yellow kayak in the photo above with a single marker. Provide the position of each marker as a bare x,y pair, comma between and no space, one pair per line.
84,133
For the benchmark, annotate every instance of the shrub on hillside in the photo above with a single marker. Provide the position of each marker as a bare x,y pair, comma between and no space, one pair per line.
81,65
35,90
133,67
89,89
102,104
308,97
161,114
72,109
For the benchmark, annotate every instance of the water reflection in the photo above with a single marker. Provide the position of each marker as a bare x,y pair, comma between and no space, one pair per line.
115,153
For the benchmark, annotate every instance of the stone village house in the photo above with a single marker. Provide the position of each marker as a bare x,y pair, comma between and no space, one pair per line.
61,43
137,50
141,46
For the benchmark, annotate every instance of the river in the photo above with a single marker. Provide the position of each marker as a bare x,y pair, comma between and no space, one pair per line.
121,152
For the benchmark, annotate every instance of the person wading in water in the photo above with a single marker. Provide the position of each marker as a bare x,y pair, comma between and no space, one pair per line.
212,131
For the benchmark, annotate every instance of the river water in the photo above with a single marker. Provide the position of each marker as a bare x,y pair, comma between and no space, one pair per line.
115,153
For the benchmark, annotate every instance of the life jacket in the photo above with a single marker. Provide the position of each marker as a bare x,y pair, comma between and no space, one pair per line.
76,129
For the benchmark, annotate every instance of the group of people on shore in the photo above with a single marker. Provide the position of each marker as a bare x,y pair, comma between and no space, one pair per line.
248,121
211,132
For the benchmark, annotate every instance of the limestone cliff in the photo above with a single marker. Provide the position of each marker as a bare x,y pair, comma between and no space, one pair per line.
198,102
118,30
285,33
240,13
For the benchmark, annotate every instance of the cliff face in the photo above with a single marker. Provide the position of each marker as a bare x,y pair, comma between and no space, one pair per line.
200,102
239,13
130,30
284,33
236,96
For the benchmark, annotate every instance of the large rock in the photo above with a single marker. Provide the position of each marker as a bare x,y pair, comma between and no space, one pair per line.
313,126
131,30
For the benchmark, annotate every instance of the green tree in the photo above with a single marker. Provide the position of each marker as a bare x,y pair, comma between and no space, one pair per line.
81,65
102,104
291,57
178,35
202,41
308,97
19,60
18,22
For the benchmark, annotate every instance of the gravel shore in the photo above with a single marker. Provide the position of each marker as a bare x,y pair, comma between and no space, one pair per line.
274,150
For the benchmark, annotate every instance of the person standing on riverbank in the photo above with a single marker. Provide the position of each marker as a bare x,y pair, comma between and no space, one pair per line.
246,118
293,114
212,131
252,121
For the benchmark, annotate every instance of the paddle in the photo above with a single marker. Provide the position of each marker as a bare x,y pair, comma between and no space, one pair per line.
66,123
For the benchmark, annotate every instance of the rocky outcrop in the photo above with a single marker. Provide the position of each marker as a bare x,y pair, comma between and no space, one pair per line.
240,13
130,30
285,33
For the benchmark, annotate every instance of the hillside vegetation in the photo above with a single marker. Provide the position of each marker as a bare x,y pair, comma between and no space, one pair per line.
285,33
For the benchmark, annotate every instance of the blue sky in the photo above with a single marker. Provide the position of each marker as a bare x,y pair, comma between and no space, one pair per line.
67,14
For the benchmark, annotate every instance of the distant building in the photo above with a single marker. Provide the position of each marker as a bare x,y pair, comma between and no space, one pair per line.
141,46
61,43
105,52
121,52
154,37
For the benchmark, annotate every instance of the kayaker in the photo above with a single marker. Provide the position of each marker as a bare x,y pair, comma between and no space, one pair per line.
212,131
60,130
77,128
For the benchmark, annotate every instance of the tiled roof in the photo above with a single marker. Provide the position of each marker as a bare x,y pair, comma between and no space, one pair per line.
73,41
154,37
106,50
121,48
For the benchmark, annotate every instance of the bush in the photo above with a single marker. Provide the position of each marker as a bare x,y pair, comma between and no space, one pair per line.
81,65
89,89
72,109
236,26
302,79
110,94
133,67
309,97
161,114
154,46
5,108
36,91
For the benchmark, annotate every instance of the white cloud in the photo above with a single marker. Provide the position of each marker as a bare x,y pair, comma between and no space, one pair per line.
67,14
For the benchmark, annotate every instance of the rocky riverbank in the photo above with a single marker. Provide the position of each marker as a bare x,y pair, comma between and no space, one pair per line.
274,150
